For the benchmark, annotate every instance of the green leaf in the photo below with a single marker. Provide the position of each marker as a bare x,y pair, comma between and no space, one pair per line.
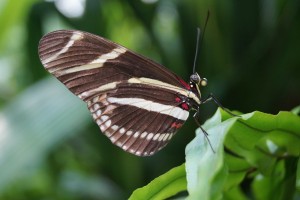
164,186
235,193
205,169
238,168
298,176
262,138
255,145
296,110
279,185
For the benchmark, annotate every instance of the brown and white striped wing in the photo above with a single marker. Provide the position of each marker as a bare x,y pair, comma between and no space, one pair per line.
135,101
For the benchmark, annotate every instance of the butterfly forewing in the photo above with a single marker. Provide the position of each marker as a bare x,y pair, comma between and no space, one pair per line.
136,102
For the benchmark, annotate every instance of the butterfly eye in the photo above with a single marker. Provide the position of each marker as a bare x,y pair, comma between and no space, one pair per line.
195,78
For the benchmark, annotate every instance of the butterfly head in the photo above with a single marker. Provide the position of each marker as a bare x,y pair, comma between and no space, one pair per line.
196,81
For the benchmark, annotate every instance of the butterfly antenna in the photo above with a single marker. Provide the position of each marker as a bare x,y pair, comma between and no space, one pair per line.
197,47
201,40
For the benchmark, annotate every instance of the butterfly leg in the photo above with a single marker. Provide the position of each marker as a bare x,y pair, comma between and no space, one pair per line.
203,131
211,97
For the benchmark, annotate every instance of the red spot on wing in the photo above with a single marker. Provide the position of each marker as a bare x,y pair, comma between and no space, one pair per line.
185,106
176,125
177,99
182,103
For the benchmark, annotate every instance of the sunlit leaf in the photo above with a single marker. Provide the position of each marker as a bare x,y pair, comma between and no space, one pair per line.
205,169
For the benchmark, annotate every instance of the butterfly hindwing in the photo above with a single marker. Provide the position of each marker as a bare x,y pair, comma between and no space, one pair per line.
134,122
135,101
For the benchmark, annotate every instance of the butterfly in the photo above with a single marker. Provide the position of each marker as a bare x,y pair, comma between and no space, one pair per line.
137,103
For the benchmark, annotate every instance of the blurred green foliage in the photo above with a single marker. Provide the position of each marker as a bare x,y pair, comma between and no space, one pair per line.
49,147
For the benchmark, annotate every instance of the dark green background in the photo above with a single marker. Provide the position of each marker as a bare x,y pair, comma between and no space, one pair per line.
250,55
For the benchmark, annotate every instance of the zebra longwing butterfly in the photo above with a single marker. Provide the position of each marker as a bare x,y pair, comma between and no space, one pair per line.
138,104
